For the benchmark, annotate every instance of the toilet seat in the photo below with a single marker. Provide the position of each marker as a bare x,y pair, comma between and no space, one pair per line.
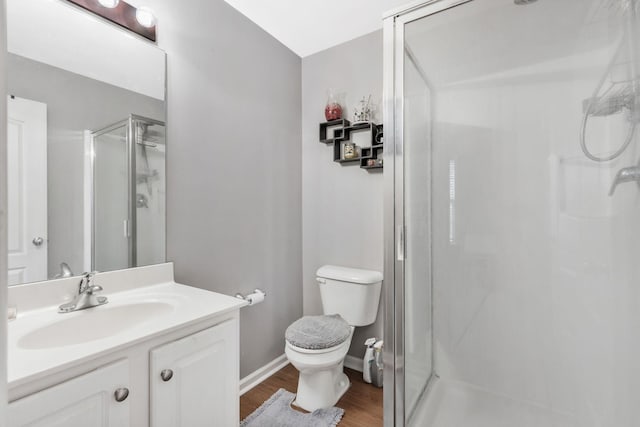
318,333
315,351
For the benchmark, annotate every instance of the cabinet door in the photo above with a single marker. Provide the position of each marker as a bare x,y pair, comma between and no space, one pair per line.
200,384
85,401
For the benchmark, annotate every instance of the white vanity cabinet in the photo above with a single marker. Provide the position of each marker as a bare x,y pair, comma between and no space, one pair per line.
96,399
184,378
194,380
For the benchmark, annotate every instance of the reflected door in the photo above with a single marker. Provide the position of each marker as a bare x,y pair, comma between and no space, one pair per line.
27,190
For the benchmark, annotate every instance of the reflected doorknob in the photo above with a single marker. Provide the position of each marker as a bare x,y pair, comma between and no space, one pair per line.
166,374
37,241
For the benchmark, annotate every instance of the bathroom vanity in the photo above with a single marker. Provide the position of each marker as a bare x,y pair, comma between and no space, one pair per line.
157,354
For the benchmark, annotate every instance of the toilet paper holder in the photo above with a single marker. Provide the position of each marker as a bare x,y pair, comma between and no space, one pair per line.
256,297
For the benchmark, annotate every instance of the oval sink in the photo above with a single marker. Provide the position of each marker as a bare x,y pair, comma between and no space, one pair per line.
93,324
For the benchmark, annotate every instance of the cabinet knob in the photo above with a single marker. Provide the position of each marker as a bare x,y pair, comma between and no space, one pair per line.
166,374
121,394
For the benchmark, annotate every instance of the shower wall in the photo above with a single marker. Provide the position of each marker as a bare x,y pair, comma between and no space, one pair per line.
535,272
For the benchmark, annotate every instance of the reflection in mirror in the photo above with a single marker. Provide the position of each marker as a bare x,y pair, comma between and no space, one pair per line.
86,155
128,201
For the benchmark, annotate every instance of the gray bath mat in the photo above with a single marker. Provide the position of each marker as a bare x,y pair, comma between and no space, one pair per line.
277,412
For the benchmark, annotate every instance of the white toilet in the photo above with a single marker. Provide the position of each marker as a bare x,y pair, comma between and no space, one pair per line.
317,345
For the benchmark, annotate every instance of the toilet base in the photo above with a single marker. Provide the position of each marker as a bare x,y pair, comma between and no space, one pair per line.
321,389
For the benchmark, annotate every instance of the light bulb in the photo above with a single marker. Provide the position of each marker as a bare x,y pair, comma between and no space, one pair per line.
145,17
109,3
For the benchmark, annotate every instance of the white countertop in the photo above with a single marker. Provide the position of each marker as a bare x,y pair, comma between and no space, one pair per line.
35,350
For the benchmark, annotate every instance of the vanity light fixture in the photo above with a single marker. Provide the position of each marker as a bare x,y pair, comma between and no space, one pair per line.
145,17
109,3
139,20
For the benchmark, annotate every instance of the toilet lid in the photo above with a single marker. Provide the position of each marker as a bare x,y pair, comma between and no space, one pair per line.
318,332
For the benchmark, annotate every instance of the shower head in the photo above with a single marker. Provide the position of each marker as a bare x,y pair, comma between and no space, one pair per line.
147,136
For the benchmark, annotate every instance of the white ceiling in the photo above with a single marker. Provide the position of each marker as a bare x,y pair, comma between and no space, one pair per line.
309,26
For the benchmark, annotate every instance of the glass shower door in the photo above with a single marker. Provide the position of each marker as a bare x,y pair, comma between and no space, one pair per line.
408,269
514,165
417,230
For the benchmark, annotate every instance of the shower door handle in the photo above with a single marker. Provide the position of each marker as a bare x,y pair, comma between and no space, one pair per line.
400,255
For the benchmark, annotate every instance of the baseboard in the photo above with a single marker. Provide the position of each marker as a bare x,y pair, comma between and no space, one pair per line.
261,374
353,362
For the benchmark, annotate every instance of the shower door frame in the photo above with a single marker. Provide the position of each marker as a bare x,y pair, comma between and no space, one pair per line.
394,204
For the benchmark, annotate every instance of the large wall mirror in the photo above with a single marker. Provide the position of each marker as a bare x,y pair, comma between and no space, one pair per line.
86,147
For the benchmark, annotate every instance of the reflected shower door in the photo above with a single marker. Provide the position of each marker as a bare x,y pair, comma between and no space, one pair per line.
111,217
129,181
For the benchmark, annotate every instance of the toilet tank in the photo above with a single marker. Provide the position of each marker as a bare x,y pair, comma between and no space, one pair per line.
352,293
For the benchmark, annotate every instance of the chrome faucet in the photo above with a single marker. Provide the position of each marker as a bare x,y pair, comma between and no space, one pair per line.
628,174
86,297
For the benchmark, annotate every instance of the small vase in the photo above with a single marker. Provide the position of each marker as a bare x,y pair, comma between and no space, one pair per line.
333,109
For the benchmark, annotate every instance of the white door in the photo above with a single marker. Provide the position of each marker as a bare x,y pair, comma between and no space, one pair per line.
86,401
199,385
27,190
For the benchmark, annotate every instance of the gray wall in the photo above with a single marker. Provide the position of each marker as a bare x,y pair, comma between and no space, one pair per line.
3,217
342,205
74,104
234,170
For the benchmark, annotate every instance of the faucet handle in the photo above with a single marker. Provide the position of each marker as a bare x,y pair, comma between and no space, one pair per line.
85,282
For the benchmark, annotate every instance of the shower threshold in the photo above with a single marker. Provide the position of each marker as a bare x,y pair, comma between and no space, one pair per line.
457,404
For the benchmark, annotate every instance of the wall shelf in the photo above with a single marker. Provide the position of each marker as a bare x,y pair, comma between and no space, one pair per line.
357,159
342,131
339,125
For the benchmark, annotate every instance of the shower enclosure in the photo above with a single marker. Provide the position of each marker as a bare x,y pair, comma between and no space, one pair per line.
512,215
128,194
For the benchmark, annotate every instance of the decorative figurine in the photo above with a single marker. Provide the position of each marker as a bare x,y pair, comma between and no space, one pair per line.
350,151
364,113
